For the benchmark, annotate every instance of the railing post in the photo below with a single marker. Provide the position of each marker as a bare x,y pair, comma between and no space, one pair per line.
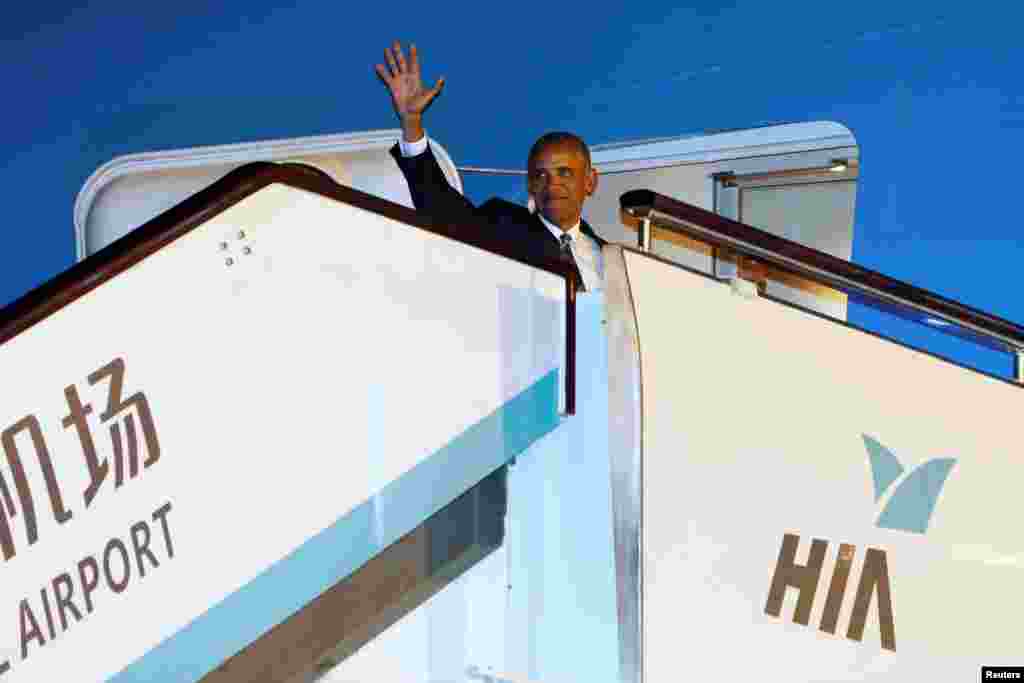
725,263
644,234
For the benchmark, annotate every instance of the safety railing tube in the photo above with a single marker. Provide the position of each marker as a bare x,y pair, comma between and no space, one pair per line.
676,216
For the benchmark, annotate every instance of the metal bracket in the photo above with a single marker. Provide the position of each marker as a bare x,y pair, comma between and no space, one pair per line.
722,266
745,288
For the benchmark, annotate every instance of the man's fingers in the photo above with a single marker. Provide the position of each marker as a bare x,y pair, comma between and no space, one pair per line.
399,56
391,61
382,71
414,59
433,92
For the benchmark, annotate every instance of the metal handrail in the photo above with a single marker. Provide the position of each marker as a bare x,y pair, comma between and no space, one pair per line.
686,219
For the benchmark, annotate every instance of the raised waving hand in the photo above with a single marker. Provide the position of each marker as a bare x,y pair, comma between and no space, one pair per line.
408,94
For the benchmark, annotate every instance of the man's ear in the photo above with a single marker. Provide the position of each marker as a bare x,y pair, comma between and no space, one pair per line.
590,184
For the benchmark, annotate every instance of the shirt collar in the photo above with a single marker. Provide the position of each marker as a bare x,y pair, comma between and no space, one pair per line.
573,232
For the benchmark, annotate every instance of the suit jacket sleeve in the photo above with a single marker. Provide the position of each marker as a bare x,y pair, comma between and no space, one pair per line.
430,190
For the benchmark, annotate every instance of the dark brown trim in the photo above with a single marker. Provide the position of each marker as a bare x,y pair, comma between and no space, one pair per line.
570,345
828,269
820,173
83,277
394,583
120,255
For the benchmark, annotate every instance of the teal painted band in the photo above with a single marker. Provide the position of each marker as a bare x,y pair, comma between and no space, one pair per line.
330,556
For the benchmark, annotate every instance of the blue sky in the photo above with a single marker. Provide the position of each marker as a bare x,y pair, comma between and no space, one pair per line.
931,90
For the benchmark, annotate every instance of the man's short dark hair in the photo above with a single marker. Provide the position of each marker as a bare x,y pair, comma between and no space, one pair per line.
556,138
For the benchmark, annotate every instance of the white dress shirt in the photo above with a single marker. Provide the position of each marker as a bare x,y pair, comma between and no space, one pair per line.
584,248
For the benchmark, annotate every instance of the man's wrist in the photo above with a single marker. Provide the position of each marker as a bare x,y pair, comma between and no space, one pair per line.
414,139
413,149
412,128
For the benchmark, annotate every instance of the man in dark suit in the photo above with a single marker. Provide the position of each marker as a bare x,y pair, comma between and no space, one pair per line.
559,179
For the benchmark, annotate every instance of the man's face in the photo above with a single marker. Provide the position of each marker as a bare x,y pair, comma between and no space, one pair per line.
559,180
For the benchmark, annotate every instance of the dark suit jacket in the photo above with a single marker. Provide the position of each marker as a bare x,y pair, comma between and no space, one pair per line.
510,223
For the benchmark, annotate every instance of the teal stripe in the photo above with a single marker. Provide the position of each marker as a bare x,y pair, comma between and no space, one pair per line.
351,541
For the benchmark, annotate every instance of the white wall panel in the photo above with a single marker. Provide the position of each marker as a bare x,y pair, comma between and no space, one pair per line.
289,391
753,426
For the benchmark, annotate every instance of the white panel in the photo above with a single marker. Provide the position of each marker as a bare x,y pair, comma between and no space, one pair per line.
712,147
813,213
127,191
542,607
753,423
624,451
455,635
684,168
286,390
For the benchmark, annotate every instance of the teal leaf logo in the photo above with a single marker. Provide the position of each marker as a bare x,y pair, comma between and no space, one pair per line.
911,505
885,468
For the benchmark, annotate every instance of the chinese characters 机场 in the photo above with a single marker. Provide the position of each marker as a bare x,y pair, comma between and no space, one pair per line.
129,424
